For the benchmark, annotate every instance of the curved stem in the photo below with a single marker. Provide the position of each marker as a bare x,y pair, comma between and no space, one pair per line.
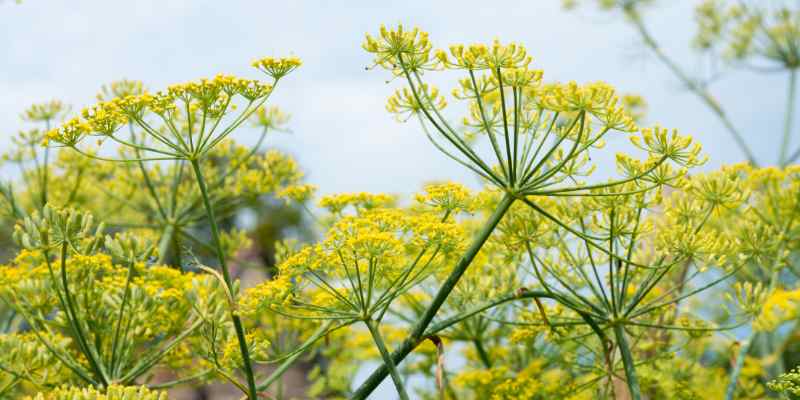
742,354
737,368
418,333
289,361
690,83
387,359
409,345
237,322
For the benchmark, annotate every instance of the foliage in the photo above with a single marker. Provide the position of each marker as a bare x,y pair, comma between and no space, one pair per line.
547,282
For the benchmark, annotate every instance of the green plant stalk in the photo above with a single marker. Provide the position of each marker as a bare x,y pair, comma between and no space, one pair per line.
627,362
773,281
148,362
387,358
787,127
120,316
418,332
90,353
287,363
165,243
237,322
46,163
44,175
737,368
66,360
408,346
484,356
170,384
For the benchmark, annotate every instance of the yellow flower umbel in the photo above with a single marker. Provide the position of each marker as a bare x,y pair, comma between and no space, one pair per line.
187,122
541,138
371,256
136,313
184,121
540,135
750,31
113,392
366,261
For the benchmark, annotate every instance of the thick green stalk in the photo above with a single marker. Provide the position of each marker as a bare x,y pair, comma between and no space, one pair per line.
164,243
627,362
418,333
387,359
408,345
237,322
787,126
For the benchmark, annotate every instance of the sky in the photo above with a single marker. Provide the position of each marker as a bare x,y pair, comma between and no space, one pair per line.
341,133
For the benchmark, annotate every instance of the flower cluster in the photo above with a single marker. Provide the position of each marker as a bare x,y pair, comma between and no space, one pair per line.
114,392
546,283
509,104
749,30
194,116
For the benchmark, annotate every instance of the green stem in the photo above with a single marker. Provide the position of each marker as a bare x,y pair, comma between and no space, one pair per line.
787,126
387,358
408,345
176,382
737,368
627,362
70,311
690,83
165,243
418,333
45,173
120,316
237,322
287,363
484,356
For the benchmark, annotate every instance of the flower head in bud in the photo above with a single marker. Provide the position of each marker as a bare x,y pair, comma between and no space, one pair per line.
121,89
45,112
398,49
659,142
113,392
447,197
406,103
277,67
298,193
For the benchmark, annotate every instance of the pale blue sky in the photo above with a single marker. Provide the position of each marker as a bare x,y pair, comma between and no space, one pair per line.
342,135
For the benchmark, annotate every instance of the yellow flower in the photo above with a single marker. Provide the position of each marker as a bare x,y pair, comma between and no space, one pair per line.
400,49
447,197
277,67
113,392
45,112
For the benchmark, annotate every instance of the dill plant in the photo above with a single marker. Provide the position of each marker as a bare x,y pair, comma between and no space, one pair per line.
541,136
758,39
547,283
